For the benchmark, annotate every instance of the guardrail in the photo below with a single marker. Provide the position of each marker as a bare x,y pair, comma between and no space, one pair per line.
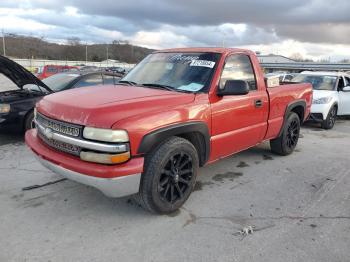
32,63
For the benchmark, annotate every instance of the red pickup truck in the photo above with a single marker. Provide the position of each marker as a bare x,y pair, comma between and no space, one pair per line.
175,111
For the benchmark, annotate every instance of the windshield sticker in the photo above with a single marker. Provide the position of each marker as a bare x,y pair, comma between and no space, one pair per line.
203,63
182,58
191,87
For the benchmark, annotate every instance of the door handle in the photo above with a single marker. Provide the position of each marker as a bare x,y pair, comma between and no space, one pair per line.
258,103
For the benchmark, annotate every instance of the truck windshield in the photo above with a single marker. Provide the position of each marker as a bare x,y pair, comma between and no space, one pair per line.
191,72
318,82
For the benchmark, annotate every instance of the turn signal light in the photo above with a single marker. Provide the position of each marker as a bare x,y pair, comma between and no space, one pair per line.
105,158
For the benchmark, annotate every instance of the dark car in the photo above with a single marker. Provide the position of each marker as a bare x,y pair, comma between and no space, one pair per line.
17,106
116,69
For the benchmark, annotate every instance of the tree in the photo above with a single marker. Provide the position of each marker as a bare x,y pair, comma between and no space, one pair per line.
73,41
297,57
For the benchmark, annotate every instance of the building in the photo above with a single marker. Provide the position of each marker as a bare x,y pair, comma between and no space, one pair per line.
274,63
274,59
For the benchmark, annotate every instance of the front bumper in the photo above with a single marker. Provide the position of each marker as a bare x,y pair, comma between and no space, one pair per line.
316,117
111,187
320,109
112,180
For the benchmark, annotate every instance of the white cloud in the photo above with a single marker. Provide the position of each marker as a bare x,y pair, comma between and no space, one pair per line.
159,39
307,50
16,24
307,28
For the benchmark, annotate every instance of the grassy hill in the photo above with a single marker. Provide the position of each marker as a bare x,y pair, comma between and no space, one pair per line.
31,47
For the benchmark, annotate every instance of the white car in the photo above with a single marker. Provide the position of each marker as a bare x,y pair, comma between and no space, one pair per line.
283,77
331,95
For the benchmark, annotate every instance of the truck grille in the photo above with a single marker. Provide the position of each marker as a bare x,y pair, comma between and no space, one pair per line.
60,128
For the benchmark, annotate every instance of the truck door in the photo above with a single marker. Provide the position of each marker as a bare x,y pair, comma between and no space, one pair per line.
240,121
344,98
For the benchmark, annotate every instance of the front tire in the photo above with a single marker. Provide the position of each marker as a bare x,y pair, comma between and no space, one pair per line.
331,118
169,176
287,141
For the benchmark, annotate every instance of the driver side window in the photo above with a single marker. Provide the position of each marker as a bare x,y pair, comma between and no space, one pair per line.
238,67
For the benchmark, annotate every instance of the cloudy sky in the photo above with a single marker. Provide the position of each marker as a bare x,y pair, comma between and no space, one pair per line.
317,29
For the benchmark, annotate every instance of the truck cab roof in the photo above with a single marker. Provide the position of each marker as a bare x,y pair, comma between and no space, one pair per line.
220,50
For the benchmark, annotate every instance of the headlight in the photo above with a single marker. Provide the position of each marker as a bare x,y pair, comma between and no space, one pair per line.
106,135
323,100
4,108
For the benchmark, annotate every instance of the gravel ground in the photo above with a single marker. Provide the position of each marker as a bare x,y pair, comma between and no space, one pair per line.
299,207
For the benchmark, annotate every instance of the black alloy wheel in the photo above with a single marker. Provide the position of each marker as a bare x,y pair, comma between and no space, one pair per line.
286,142
292,134
169,176
175,179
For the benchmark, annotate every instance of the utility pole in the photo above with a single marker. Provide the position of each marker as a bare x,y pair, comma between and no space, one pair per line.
223,39
107,51
3,43
86,54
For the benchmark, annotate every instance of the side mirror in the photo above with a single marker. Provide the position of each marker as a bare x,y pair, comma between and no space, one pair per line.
346,89
234,88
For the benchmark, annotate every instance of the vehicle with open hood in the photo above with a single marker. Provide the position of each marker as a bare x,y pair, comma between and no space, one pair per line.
17,105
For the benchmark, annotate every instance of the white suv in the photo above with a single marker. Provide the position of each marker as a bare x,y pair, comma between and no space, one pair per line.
331,95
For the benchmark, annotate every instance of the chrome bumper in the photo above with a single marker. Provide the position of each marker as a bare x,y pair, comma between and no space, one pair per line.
111,187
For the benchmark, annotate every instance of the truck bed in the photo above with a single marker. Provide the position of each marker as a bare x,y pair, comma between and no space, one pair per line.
280,97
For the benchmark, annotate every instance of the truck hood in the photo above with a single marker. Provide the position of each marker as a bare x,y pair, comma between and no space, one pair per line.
105,105
18,74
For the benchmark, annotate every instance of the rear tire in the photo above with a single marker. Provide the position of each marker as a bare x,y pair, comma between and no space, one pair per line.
287,141
169,176
331,118
29,121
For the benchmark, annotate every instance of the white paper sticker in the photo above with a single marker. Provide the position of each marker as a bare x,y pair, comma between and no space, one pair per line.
204,63
191,87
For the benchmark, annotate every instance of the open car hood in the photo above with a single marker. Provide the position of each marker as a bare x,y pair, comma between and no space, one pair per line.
18,74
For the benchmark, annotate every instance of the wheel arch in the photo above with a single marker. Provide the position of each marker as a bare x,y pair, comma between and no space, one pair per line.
298,107
196,133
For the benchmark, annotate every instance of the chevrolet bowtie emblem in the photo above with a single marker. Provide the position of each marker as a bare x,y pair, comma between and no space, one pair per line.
48,133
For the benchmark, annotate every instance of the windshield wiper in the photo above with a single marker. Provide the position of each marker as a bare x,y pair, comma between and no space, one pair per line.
127,82
170,88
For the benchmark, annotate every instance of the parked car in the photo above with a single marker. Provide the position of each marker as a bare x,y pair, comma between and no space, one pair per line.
50,70
175,111
331,95
116,69
16,106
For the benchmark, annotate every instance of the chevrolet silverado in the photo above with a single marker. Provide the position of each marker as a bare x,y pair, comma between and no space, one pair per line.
177,110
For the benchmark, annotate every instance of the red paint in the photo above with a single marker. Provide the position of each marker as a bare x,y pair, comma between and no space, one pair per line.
234,122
